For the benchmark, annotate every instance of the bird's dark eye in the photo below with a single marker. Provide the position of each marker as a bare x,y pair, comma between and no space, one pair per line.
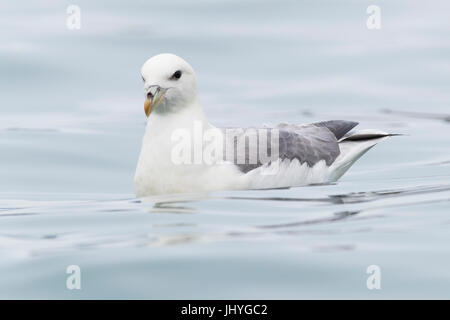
176,75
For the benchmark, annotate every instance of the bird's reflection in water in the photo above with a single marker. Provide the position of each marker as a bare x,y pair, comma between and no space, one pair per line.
172,203
168,208
173,239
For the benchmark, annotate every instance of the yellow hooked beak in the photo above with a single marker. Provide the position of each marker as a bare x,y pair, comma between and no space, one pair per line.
154,97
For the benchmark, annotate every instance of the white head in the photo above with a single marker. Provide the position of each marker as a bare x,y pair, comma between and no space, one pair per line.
169,83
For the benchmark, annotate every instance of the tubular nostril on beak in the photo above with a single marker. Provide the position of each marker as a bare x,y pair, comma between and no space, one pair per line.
155,94
152,92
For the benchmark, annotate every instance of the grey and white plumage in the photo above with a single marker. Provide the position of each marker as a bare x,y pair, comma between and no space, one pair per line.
307,143
314,153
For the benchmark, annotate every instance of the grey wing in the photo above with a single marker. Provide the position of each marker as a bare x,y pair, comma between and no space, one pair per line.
309,143
338,127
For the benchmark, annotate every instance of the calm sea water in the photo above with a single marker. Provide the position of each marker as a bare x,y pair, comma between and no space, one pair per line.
72,119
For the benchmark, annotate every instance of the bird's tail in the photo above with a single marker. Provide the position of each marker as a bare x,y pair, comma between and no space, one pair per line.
352,146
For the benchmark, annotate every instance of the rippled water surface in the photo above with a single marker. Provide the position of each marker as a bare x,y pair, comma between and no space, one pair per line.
71,123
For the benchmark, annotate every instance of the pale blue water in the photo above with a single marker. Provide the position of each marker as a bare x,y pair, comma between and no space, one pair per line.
72,119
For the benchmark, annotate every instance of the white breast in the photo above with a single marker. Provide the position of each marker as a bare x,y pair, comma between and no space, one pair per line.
158,173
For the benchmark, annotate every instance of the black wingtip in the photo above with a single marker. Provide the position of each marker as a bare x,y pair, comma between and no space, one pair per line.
370,136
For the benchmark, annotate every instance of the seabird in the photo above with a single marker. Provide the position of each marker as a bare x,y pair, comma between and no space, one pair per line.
183,153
